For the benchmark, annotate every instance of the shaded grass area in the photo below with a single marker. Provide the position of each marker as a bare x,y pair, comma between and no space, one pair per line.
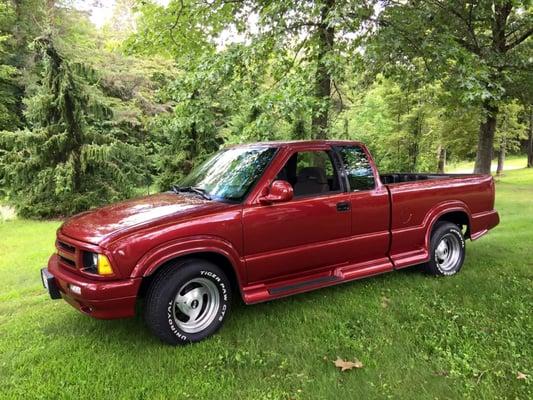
417,336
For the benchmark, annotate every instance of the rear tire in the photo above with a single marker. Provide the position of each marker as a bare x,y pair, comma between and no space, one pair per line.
187,301
447,250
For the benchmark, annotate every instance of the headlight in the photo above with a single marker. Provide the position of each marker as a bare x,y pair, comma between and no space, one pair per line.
94,263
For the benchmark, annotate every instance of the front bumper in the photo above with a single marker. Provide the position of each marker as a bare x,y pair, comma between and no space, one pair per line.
98,299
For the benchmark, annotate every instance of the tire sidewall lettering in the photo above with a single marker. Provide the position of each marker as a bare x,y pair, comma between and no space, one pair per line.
172,324
223,293
459,235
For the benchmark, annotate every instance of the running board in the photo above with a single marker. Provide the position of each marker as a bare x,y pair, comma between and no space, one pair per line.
260,292
300,285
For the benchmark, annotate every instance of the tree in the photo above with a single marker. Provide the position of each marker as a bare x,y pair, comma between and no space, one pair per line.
311,37
317,37
403,126
69,160
509,133
225,98
9,91
10,52
182,30
476,48
188,134
314,20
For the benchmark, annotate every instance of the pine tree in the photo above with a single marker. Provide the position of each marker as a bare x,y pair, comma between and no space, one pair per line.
71,159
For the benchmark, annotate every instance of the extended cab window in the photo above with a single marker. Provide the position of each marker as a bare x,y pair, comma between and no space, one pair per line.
230,173
310,173
358,168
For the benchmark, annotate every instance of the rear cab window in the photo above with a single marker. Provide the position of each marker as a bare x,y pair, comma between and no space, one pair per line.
358,169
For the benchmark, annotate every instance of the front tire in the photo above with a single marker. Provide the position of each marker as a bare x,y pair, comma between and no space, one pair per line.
447,250
188,301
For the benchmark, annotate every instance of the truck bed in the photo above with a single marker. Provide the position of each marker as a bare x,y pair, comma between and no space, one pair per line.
419,198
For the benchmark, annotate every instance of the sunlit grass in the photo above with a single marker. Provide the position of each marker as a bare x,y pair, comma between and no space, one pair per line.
511,163
464,336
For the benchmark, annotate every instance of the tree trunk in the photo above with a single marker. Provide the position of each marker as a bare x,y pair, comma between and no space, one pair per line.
501,12
346,127
486,139
50,9
298,129
530,139
501,157
414,148
325,36
441,164
17,26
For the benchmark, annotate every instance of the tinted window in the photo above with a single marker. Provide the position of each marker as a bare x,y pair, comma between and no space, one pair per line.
231,173
310,172
358,169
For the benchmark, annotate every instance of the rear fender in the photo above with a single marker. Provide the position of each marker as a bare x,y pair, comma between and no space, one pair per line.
438,211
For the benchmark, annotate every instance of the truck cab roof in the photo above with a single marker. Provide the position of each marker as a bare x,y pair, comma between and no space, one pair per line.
300,143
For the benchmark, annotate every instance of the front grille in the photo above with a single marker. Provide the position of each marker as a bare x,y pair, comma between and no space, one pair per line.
66,246
73,257
67,261
68,254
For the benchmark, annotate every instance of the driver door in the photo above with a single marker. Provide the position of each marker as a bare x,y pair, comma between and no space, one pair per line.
304,234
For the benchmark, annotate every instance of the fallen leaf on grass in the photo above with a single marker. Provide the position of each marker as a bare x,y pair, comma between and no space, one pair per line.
346,365
385,301
521,375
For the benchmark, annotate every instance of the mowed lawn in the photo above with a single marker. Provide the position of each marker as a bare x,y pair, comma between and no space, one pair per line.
417,336
467,167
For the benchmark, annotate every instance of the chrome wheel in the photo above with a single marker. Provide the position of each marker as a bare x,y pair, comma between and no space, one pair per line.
196,305
448,252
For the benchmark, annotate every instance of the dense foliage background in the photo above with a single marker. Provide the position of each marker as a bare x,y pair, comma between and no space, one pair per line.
89,116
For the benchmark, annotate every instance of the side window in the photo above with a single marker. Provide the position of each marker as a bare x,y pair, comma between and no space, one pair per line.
310,172
358,169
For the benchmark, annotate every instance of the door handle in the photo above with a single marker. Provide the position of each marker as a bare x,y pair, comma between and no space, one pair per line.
343,206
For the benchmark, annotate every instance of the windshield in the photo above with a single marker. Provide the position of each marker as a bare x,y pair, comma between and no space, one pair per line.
230,173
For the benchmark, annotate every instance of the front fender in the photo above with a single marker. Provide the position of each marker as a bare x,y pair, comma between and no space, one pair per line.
156,257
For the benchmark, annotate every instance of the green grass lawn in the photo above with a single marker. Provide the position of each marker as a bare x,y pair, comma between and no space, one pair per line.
417,336
511,163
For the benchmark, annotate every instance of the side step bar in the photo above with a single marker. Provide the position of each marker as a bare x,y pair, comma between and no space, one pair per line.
300,285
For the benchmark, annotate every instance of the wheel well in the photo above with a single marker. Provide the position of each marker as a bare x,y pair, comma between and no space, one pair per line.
456,217
215,258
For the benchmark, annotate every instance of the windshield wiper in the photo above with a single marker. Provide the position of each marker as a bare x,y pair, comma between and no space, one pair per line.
191,189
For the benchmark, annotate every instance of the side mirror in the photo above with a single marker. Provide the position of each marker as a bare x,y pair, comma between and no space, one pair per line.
279,191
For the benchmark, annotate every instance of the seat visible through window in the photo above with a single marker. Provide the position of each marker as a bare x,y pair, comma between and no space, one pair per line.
311,180
310,172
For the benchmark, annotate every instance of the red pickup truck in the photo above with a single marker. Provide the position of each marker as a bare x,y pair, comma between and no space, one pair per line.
262,221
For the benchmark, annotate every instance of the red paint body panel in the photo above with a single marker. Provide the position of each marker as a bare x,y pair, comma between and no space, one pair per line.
99,299
275,250
107,223
417,205
288,238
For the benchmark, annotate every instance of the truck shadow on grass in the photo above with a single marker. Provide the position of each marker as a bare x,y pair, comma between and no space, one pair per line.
245,321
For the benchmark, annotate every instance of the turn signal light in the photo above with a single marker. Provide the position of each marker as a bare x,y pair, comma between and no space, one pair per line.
104,266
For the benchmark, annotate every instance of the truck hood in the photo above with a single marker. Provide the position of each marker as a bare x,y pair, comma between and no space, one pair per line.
103,223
